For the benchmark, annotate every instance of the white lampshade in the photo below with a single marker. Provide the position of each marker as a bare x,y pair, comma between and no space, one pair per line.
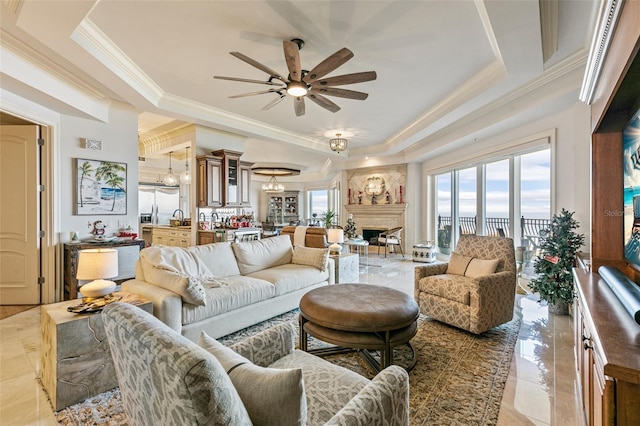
335,236
97,264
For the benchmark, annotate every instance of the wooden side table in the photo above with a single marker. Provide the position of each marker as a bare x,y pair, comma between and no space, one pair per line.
128,254
347,268
75,356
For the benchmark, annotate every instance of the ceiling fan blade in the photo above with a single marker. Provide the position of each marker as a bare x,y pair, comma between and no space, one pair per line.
328,65
258,65
298,105
339,80
254,93
292,57
323,102
274,102
247,80
341,93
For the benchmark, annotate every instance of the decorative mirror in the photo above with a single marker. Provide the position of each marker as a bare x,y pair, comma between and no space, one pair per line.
374,186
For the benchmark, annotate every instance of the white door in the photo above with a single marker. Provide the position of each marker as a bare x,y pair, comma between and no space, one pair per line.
19,215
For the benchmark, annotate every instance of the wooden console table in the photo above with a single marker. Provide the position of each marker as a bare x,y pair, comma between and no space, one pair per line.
128,254
75,356
607,355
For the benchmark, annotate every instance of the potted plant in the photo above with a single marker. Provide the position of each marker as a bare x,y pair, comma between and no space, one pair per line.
328,217
554,280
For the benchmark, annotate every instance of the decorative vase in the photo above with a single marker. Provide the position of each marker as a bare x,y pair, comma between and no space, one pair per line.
560,307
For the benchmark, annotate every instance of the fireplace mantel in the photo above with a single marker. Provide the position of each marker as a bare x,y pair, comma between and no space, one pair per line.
376,209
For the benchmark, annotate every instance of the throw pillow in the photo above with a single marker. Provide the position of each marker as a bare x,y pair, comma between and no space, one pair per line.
189,288
311,257
481,267
272,396
458,264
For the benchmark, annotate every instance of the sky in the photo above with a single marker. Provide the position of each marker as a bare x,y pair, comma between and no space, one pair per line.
535,188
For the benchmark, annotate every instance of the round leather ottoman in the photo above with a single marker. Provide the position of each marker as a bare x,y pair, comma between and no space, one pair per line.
359,316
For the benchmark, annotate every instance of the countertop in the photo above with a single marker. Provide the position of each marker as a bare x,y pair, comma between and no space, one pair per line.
230,229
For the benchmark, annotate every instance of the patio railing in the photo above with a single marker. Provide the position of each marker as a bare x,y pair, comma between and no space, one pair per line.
532,231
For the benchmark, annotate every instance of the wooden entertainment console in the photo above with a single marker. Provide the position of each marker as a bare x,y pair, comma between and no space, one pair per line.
607,346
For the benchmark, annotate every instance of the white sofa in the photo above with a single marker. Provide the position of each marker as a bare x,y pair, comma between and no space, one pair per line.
224,287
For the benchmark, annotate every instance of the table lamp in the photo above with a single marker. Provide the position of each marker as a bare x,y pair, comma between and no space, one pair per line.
97,264
335,236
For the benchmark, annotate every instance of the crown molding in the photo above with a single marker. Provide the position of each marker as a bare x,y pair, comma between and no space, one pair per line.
549,11
602,36
13,5
103,49
37,60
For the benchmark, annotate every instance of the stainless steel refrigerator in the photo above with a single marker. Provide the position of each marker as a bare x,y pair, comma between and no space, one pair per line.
157,203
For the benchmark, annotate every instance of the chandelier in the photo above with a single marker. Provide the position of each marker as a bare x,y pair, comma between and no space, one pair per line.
273,187
338,144
170,179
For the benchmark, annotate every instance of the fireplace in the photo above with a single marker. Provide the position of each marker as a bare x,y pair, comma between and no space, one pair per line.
371,234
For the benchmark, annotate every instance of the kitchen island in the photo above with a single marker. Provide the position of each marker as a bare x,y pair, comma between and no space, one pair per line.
218,235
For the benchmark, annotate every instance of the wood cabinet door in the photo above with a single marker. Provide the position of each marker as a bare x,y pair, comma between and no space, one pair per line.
245,184
231,180
209,181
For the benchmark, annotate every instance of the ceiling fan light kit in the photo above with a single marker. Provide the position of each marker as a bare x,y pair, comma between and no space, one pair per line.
301,83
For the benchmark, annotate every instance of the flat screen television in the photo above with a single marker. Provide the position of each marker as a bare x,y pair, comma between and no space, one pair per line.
631,164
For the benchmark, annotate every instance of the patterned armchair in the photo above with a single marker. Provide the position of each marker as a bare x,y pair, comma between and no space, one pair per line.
473,303
166,379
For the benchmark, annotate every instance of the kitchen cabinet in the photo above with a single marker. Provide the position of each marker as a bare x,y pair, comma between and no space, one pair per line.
224,180
176,237
284,208
209,181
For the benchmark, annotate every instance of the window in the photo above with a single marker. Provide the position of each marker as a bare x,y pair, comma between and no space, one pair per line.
467,200
318,203
487,191
443,210
497,200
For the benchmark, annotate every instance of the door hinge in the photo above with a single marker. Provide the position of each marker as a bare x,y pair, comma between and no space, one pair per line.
40,280
40,188
40,142
40,234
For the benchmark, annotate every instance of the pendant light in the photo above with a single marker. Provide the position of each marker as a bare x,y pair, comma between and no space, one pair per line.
338,144
170,179
185,177
273,187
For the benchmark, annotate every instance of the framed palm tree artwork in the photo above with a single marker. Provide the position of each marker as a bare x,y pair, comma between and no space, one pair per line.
101,187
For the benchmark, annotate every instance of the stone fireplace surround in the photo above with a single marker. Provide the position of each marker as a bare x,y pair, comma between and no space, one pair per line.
378,217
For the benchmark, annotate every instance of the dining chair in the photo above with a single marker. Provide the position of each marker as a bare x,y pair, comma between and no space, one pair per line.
392,237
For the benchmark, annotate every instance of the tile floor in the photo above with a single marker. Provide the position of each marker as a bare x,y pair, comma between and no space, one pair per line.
541,389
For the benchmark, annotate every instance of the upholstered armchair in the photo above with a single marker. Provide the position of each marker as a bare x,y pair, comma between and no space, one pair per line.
166,379
392,237
476,290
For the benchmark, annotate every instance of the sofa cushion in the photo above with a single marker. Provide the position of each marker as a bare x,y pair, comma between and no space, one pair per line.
272,396
218,258
290,277
315,257
448,286
175,269
481,267
328,387
240,291
458,263
253,256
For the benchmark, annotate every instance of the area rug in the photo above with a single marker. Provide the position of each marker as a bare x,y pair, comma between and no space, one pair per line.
381,261
459,377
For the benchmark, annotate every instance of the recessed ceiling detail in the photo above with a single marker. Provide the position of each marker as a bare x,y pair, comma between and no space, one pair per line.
301,83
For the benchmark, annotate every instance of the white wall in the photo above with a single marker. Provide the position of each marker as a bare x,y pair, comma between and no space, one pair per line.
119,138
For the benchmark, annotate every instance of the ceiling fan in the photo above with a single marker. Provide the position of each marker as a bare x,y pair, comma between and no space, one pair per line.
301,83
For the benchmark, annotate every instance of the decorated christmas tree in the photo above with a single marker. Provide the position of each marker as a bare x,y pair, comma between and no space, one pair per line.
554,281
350,228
